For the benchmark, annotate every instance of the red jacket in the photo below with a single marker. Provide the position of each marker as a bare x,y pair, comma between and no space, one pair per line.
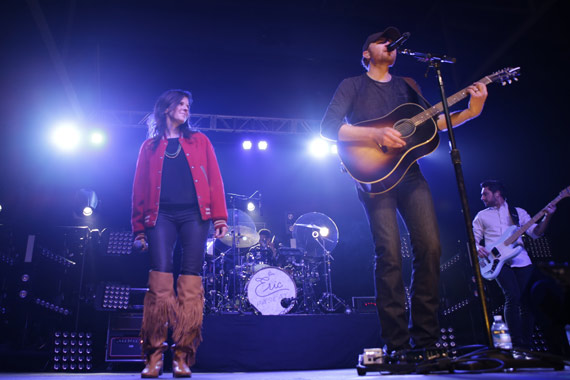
205,173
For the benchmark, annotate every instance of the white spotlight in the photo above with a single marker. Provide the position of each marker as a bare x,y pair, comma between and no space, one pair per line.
262,145
319,147
66,137
246,145
97,138
324,231
250,206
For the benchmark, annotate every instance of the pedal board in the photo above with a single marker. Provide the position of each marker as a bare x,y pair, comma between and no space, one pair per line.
410,361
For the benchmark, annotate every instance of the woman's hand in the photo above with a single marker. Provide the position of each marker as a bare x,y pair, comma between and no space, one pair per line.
221,231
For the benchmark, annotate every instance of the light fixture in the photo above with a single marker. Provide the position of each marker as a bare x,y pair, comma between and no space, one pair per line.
97,138
318,147
66,137
262,145
250,206
334,149
86,201
247,144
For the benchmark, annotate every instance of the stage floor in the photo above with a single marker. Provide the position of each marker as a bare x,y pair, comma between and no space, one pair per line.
337,374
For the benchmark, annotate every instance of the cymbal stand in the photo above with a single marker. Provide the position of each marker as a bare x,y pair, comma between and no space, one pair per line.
236,297
328,301
219,298
309,303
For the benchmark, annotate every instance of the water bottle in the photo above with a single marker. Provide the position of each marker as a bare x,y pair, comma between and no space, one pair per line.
501,336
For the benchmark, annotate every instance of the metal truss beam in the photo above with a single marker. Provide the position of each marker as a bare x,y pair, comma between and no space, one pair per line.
220,123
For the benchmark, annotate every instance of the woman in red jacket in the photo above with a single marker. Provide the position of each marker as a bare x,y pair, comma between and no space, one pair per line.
177,192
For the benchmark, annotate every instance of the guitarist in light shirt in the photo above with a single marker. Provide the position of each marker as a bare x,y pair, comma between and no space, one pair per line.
513,279
373,95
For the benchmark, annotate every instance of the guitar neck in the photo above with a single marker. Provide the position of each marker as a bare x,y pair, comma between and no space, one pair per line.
438,108
514,237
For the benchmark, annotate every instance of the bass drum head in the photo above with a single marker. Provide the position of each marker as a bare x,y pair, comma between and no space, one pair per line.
267,287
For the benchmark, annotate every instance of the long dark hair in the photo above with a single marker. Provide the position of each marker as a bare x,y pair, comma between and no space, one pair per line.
157,123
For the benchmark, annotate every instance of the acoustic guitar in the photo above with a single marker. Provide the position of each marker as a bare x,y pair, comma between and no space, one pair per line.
377,168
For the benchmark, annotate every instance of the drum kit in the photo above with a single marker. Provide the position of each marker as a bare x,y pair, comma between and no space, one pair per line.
245,274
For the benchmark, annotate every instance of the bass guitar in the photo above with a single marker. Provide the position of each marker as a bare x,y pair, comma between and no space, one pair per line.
377,168
506,247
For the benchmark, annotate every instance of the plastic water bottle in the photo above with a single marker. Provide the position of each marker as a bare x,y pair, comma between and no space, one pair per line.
501,336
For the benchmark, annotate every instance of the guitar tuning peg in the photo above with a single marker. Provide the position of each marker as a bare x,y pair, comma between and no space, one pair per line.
503,83
516,79
510,81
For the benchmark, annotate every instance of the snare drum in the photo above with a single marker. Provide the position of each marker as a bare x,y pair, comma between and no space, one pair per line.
267,287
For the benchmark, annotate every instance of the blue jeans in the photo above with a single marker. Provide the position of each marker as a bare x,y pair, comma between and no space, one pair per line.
412,199
514,282
171,224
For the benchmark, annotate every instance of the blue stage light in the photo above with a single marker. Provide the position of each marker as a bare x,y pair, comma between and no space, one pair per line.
97,138
262,145
66,137
319,147
334,149
247,145
86,201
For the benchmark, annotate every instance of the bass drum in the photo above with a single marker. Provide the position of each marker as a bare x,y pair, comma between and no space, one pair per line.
267,287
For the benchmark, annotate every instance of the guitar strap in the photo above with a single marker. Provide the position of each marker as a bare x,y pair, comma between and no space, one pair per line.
412,83
514,215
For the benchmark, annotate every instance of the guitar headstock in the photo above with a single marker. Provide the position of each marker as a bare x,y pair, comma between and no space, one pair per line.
506,75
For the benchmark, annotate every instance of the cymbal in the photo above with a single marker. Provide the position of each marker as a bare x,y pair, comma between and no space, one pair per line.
245,237
314,232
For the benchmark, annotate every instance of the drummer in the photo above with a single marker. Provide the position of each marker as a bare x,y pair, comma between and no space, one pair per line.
267,250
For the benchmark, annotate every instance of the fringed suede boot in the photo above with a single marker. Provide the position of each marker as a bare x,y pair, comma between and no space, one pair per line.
158,312
187,332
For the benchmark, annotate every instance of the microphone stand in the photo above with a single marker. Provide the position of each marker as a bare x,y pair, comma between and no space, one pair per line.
504,356
435,61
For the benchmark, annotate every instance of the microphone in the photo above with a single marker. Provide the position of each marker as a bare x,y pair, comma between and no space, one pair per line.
399,42
286,302
139,246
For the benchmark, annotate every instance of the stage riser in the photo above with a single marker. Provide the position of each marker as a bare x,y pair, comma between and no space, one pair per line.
268,343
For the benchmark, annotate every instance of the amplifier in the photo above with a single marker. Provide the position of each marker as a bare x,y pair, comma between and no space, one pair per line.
364,304
123,342
124,347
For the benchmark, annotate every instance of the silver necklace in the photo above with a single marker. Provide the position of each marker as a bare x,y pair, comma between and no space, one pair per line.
175,154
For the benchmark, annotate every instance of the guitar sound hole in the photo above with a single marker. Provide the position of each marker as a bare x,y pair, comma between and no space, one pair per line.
405,127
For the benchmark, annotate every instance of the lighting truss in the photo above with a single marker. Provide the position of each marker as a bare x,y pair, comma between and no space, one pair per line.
220,123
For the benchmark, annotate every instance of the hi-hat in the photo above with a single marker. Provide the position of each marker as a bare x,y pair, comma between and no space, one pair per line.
245,237
242,227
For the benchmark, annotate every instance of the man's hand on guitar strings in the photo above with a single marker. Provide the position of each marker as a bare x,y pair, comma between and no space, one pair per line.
388,137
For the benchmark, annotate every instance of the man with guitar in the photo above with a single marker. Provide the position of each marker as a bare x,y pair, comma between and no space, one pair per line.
370,96
514,277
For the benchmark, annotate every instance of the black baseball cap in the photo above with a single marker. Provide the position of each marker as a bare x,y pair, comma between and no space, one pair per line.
391,33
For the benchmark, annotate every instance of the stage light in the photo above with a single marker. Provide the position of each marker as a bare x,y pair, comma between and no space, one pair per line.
334,149
262,145
319,147
119,243
97,138
250,206
66,137
86,201
247,145
324,231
